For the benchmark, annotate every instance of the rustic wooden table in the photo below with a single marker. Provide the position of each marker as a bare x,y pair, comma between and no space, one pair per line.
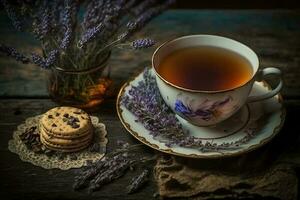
274,35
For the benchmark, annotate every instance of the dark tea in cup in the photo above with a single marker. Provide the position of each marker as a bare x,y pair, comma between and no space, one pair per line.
205,68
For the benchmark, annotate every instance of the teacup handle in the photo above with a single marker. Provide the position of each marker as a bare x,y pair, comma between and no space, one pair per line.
260,76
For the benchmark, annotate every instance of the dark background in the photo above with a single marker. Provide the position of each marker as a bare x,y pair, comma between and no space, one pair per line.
228,4
237,4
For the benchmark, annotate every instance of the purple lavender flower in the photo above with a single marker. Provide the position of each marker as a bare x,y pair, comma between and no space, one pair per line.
45,63
93,14
89,35
145,102
42,21
67,23
12,15
142,43
12,52
65,43
45,23
38,60
52,56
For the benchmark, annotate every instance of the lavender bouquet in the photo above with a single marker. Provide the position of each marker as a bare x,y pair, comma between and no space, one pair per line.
76,39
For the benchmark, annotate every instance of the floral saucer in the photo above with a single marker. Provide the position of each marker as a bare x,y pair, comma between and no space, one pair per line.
253,126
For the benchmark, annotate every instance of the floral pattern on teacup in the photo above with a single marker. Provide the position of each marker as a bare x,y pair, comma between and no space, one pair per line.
206,110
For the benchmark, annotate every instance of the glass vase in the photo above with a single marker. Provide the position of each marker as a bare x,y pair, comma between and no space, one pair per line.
81,88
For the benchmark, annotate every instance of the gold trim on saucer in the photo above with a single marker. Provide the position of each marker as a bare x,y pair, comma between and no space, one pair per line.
220,154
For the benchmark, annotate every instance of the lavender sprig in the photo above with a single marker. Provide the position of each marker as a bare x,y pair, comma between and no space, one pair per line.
138,182
142,43
12,52
12,15
93,13
111,167
89,35
144,5
81,181
145,102
45,63
115,171
67,23
42,22
143,19
45,21
107,26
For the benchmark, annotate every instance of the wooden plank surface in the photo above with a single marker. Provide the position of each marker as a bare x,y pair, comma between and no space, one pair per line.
274,35
20,180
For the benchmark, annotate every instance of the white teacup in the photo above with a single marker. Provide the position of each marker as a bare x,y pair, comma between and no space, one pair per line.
206,108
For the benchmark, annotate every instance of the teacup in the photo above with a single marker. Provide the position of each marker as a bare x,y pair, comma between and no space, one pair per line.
207,108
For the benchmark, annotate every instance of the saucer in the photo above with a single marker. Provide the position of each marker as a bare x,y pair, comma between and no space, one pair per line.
259,121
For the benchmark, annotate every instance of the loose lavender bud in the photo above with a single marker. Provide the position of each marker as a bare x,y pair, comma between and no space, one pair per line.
12,52
142,43
12,15
138,182
122,144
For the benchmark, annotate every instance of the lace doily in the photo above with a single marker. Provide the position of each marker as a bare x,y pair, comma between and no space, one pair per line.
16,145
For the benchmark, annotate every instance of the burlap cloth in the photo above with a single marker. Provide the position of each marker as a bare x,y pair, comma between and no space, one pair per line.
269,172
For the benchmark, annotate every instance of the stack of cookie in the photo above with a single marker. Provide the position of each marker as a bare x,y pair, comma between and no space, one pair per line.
66,129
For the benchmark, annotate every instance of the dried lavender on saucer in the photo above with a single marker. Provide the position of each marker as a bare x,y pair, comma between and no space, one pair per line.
145,102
